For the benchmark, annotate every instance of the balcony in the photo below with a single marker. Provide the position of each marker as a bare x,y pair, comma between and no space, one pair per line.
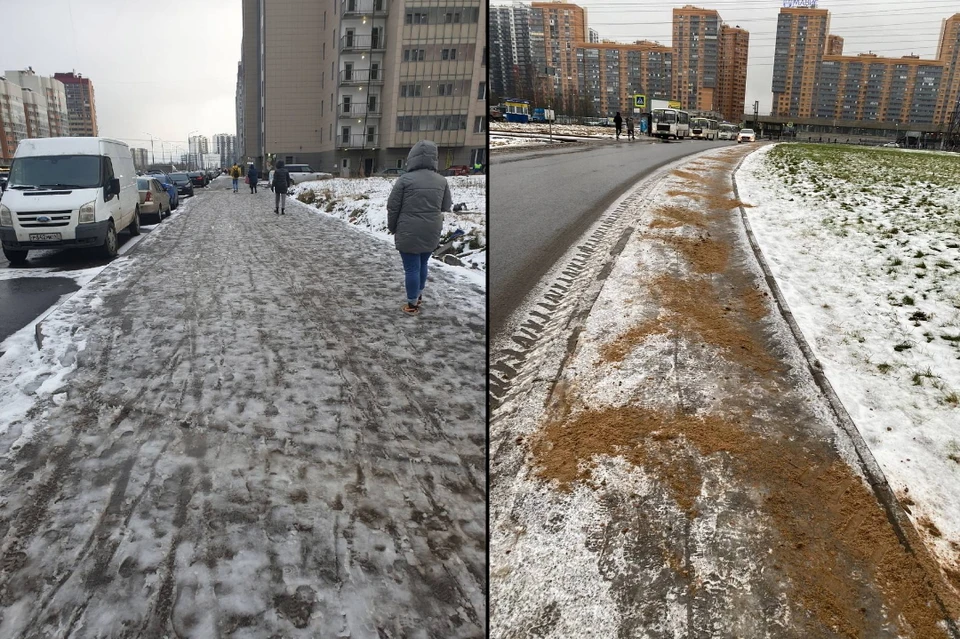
363,8
355,77
359,141
362,43
359,110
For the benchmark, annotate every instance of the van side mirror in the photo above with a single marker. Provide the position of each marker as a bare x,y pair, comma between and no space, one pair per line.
113,186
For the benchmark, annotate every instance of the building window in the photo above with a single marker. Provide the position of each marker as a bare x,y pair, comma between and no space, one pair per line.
414,55
445,89
345,135
411,90
482,91
478,124
345,164
415,17
448,54
451,17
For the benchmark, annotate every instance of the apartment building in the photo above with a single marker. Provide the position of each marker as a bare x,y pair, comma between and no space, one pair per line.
834,45
511,69
696,57
382,75
225,146
141,158
13,120
732,72
81,104
812,78
48,97
197,147
948,52
593,36
560,28
609,74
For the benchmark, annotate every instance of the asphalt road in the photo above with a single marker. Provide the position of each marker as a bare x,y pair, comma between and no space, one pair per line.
542,201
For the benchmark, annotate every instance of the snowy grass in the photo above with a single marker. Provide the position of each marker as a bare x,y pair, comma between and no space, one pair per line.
501,141
578,130
866,246
363,203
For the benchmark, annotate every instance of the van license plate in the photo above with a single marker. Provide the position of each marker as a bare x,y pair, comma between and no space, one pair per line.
44,237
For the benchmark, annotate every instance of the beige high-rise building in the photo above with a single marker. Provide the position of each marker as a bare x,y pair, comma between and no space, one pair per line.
382,75
81,104
48,100
834,45
800,46
13,121
556,30
696,57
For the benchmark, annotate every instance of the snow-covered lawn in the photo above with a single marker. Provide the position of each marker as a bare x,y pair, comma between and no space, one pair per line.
500,141
579,130
866,246
363,203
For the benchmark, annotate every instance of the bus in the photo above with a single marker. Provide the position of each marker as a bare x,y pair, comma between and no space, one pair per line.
728,131
704,128
516,110
670,123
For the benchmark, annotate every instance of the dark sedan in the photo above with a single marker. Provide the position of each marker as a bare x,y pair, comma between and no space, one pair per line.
199,178
183,183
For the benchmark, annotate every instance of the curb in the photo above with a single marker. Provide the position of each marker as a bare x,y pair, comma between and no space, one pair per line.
902,525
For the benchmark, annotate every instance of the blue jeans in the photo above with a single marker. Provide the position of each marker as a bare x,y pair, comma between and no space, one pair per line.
236,183
415,274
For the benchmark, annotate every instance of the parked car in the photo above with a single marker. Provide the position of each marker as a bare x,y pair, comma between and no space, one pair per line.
457,169
391,172
170,187
746,135
301,173
94,183
198,178
154,199
183,182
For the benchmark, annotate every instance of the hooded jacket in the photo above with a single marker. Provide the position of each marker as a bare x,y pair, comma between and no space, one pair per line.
416,203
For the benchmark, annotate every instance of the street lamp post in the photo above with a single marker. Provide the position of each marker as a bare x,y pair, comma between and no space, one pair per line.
153,156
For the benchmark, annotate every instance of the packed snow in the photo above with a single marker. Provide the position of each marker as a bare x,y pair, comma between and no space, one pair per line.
362,202
504,141
576,130
865,245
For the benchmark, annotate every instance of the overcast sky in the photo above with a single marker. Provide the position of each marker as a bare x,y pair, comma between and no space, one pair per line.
161,68
885,27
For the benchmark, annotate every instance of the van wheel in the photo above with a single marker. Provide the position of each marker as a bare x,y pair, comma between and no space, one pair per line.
109,248
134,227
15,257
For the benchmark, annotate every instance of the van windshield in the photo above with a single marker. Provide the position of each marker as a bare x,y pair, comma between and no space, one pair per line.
56,171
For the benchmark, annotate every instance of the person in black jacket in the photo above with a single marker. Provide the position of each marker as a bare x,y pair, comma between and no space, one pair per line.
281,182
252,176
618,122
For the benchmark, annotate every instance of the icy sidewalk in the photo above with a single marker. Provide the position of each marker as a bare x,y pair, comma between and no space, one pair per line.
686,478
254,442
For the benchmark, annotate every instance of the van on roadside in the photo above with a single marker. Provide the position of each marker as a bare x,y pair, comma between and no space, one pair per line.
69,193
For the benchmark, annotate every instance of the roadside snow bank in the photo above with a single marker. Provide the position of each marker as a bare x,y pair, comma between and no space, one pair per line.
363,203
865,245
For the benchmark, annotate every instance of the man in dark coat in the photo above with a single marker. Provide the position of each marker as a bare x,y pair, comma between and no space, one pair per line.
252,177
415,217
618,122
281,182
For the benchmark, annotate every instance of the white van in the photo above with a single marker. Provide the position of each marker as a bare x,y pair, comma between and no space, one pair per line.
69,192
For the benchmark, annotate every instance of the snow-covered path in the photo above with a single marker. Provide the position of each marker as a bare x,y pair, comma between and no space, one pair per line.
254,442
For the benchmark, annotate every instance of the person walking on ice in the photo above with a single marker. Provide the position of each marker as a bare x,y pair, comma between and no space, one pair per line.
618,122
415,218
630,127
252,176
235,174
281,182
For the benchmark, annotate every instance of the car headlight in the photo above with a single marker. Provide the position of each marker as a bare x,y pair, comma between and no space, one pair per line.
6,219
87,213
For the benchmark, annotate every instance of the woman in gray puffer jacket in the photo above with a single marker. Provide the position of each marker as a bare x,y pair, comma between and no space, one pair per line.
415,216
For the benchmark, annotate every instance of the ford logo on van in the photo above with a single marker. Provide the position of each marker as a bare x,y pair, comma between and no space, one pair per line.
43,219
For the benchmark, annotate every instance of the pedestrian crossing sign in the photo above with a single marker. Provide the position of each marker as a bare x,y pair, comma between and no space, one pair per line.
639,101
